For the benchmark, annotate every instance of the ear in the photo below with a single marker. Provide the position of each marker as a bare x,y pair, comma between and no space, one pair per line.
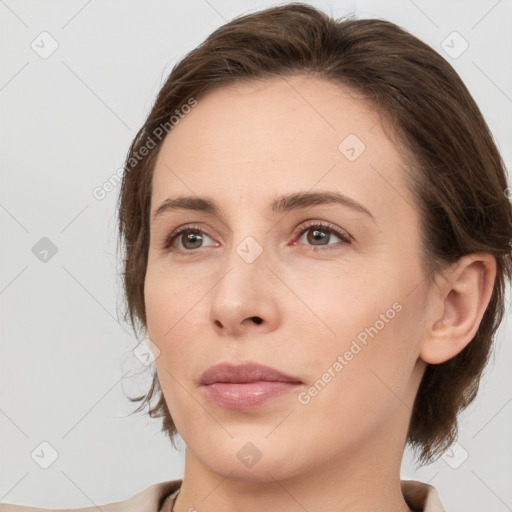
458,305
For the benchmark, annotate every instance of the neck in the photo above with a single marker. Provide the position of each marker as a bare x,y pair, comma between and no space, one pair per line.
366,479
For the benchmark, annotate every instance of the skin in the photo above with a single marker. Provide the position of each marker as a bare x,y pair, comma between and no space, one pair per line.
242,146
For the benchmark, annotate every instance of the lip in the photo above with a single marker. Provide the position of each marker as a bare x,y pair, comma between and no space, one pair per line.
246,385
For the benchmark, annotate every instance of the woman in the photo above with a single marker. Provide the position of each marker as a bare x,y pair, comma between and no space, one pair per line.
316,241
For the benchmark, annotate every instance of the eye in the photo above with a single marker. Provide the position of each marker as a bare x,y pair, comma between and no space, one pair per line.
190,237
317,233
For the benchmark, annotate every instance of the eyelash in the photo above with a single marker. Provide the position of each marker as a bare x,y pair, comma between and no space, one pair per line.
323,226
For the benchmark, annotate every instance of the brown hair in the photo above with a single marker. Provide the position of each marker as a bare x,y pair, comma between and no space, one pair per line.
456,173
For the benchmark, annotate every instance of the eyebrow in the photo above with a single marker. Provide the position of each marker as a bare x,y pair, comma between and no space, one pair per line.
282,204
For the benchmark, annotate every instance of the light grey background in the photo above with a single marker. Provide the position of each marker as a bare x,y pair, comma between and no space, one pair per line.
66,123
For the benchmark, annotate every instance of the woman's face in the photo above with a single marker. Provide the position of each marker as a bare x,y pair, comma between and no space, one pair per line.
342,316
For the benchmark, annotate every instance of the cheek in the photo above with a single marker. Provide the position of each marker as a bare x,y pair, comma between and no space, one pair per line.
338,306
169,310
365,333
359,384
160,301
176,317
169,300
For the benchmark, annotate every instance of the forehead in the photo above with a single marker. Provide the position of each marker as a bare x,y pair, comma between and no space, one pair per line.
261,139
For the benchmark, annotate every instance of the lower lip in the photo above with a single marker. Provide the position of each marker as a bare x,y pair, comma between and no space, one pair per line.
246,395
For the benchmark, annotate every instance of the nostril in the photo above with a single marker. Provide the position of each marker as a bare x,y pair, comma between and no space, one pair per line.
256,319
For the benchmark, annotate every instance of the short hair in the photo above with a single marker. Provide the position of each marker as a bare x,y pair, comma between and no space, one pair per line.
455,171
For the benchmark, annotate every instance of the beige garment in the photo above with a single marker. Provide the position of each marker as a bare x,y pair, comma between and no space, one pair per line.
159,497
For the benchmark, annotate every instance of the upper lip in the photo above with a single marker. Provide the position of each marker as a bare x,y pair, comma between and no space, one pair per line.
244,372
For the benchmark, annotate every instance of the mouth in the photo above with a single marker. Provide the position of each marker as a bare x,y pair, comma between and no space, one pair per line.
245,386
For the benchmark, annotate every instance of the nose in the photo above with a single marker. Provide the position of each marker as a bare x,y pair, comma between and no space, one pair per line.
247,298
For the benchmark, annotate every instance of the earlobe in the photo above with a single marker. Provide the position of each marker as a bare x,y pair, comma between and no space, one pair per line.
462,299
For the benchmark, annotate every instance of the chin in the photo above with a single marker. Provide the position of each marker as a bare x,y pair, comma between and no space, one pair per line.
261,472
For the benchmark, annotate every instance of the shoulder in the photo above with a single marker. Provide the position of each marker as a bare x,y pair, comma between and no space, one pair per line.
148,500
419,495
